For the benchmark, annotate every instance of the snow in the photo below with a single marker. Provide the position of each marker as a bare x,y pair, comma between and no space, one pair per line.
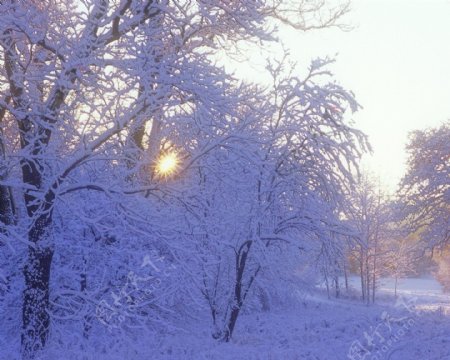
314,327
261,205
321,328
427,291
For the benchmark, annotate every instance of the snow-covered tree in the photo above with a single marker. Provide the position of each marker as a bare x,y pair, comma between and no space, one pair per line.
262,201
443,268
400,258
368,215
425,189
92,92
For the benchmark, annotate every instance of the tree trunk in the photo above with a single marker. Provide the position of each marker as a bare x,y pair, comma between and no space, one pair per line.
367,280
346,277
327,285
6,207
240,289
375,254
237,302
36,319
363,283
83,288
231,323
35,307
337,288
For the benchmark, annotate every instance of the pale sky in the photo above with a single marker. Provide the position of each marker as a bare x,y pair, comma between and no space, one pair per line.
397,62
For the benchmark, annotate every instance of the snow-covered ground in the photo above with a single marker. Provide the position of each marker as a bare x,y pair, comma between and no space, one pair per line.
427,293
415,326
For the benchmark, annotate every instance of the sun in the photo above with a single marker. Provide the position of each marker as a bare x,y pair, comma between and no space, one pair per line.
167,164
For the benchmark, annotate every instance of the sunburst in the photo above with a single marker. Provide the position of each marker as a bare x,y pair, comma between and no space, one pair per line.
167,164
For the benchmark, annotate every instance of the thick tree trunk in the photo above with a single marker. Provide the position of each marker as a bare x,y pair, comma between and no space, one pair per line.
36,319
35,307
6,207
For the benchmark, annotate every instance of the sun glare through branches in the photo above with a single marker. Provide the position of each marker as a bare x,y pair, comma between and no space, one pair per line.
167,164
